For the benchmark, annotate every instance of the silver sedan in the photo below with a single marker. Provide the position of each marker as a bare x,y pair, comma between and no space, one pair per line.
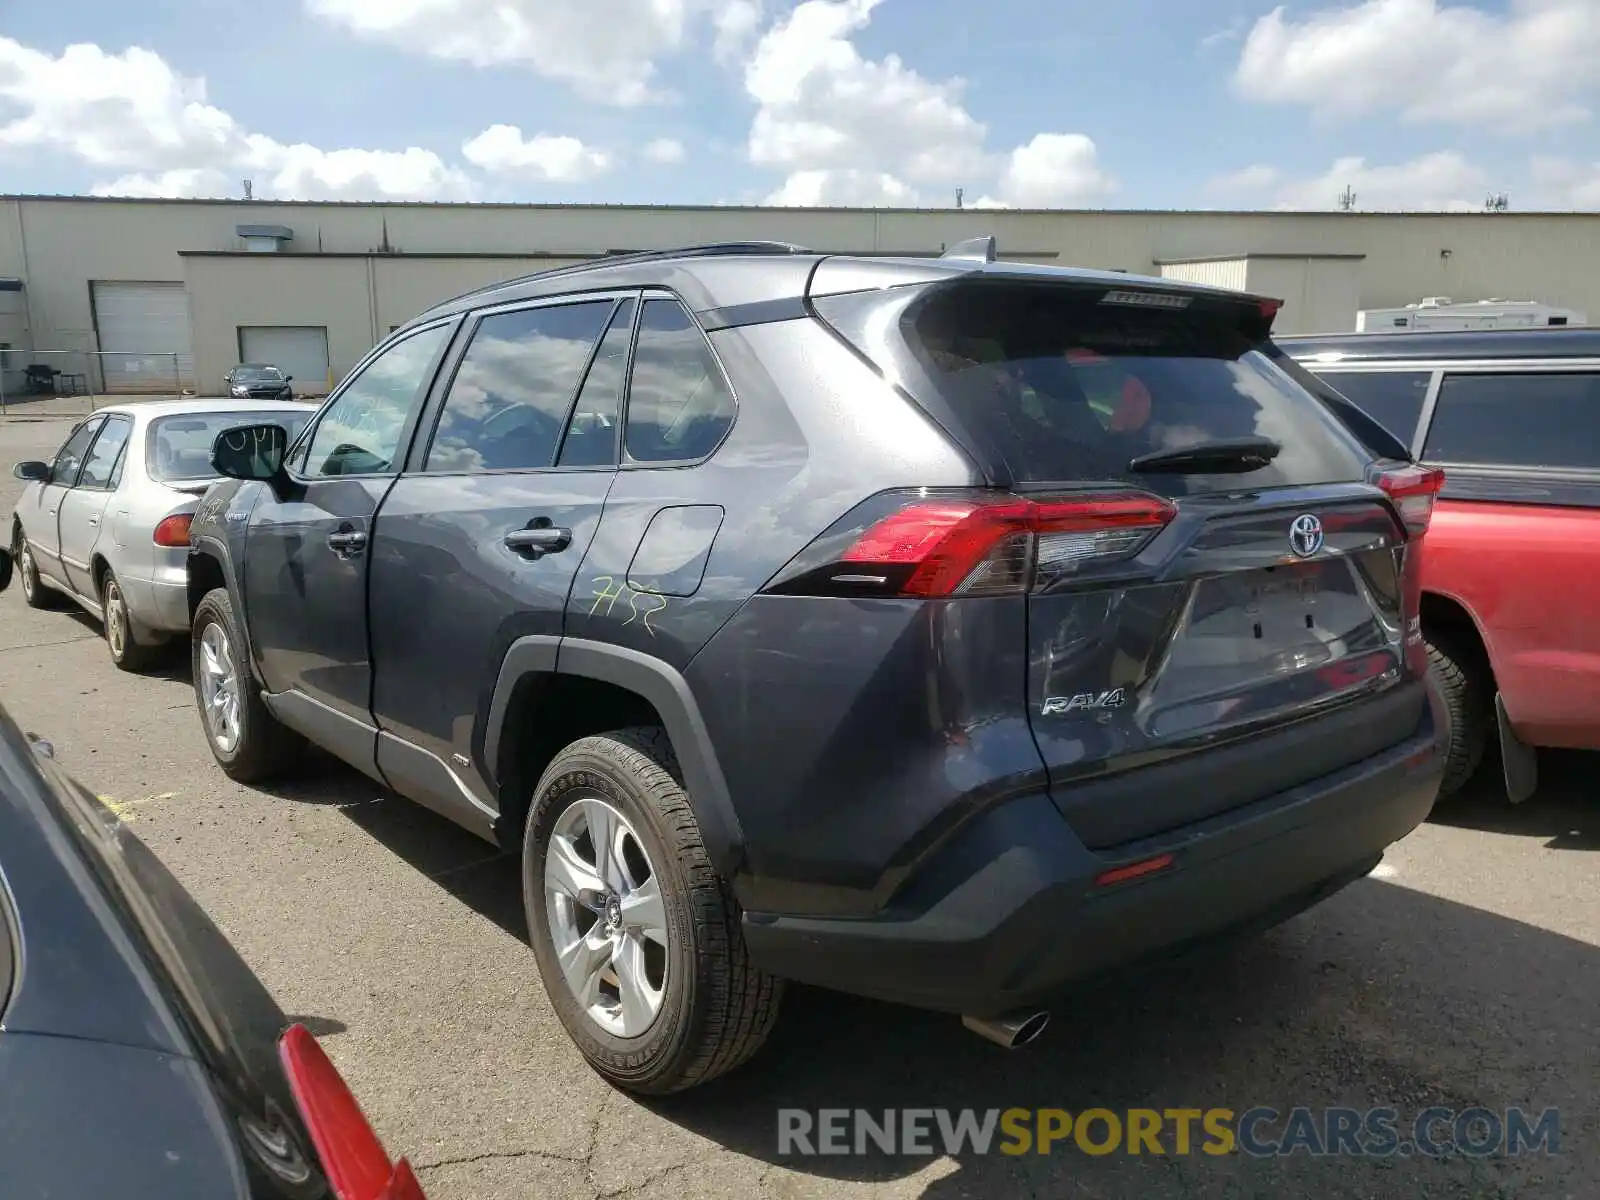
106,524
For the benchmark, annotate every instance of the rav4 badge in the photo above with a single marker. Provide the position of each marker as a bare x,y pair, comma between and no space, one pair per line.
1060,706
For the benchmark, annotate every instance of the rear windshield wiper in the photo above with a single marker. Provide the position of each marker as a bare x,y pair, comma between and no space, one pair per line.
1223,455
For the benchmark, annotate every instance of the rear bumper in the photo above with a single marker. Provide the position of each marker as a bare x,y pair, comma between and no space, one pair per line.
1008,914
159,605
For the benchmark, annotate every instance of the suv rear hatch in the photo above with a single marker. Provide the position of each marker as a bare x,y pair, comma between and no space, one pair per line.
1219,603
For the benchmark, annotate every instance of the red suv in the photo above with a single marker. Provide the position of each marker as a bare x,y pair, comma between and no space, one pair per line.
1511,563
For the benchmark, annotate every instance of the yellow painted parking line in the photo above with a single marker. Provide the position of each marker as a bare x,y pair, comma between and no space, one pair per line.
125,809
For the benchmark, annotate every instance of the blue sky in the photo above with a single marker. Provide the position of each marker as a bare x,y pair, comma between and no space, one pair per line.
1141,103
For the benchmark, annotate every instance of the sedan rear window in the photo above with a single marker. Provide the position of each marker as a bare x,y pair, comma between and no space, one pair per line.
179,447
1066,386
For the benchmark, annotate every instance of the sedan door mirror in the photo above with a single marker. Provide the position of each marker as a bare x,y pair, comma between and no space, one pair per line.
250,452
33,471
287,378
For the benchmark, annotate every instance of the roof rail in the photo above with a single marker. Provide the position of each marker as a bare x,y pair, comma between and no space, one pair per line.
978,249
623,258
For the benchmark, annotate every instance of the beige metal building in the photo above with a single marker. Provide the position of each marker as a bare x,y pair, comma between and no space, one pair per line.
155,295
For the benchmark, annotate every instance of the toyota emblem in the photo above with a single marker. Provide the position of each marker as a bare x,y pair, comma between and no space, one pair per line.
1305,535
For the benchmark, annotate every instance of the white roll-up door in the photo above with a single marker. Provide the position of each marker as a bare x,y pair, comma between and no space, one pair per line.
143,330
298,350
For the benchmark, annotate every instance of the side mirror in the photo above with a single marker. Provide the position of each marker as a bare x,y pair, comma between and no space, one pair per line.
33,471
250,452
287,378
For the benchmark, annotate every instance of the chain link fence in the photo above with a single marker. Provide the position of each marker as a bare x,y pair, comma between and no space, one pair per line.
82,380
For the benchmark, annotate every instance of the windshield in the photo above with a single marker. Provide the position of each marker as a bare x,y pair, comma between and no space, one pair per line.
179,447
257,375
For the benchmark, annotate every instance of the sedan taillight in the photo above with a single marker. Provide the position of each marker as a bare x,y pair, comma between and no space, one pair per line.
174,530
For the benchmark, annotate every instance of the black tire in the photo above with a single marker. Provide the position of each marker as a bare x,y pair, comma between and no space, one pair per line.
126,652
35,592
716,1009
1467,692
264,748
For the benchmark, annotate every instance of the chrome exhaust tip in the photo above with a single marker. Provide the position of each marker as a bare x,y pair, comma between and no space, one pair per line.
1010,1030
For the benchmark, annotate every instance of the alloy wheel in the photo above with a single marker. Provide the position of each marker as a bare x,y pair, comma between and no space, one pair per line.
607,917
219,687
116,620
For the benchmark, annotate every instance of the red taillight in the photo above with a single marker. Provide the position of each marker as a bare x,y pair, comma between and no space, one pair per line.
1134,870
174,530
1270,308
353,1159
1413,490
960,547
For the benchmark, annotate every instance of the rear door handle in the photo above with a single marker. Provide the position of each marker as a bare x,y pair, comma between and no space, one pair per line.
94,520
347,543
537,542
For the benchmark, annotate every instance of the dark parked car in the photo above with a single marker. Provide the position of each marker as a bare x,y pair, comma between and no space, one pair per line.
937,630
140,1058
1513,416
258,381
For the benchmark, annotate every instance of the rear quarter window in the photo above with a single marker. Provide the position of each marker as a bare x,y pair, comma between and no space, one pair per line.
1545,421
1067,387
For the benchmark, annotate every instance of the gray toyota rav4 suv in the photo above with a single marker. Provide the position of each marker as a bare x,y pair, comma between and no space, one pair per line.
937,630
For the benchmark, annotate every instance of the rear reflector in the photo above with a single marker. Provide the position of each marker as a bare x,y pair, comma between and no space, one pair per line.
1413,490
174,530
354,1160
1135,870
980,546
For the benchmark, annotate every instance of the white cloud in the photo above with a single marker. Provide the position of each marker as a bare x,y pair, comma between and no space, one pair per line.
1428,60
204,182
544,157
843,187
823,107
1441,182
664,150
1562,183
605,50
1052,170
737,23
309,173
853,130
110,110
131,111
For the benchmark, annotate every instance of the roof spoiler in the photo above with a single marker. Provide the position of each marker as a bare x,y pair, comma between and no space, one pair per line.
978,249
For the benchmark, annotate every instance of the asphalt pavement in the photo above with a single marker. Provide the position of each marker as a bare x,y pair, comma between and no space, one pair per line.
1464,973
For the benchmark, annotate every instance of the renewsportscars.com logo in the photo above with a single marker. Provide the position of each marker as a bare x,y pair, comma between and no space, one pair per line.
1260,1132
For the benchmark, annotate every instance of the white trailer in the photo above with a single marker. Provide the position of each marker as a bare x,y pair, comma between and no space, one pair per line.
1440,312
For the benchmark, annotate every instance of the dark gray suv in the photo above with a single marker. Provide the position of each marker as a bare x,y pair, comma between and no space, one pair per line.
942,631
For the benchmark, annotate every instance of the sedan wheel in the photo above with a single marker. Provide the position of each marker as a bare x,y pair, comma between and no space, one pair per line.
219,688
126,650
34,591
607,918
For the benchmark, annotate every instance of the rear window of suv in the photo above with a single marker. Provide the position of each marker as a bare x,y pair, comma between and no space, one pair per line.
1066,386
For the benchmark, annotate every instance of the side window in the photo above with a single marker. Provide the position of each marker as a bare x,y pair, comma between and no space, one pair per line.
1391,398
591,439
359,433
1522,420
679,405
510,396
64,471
104,464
